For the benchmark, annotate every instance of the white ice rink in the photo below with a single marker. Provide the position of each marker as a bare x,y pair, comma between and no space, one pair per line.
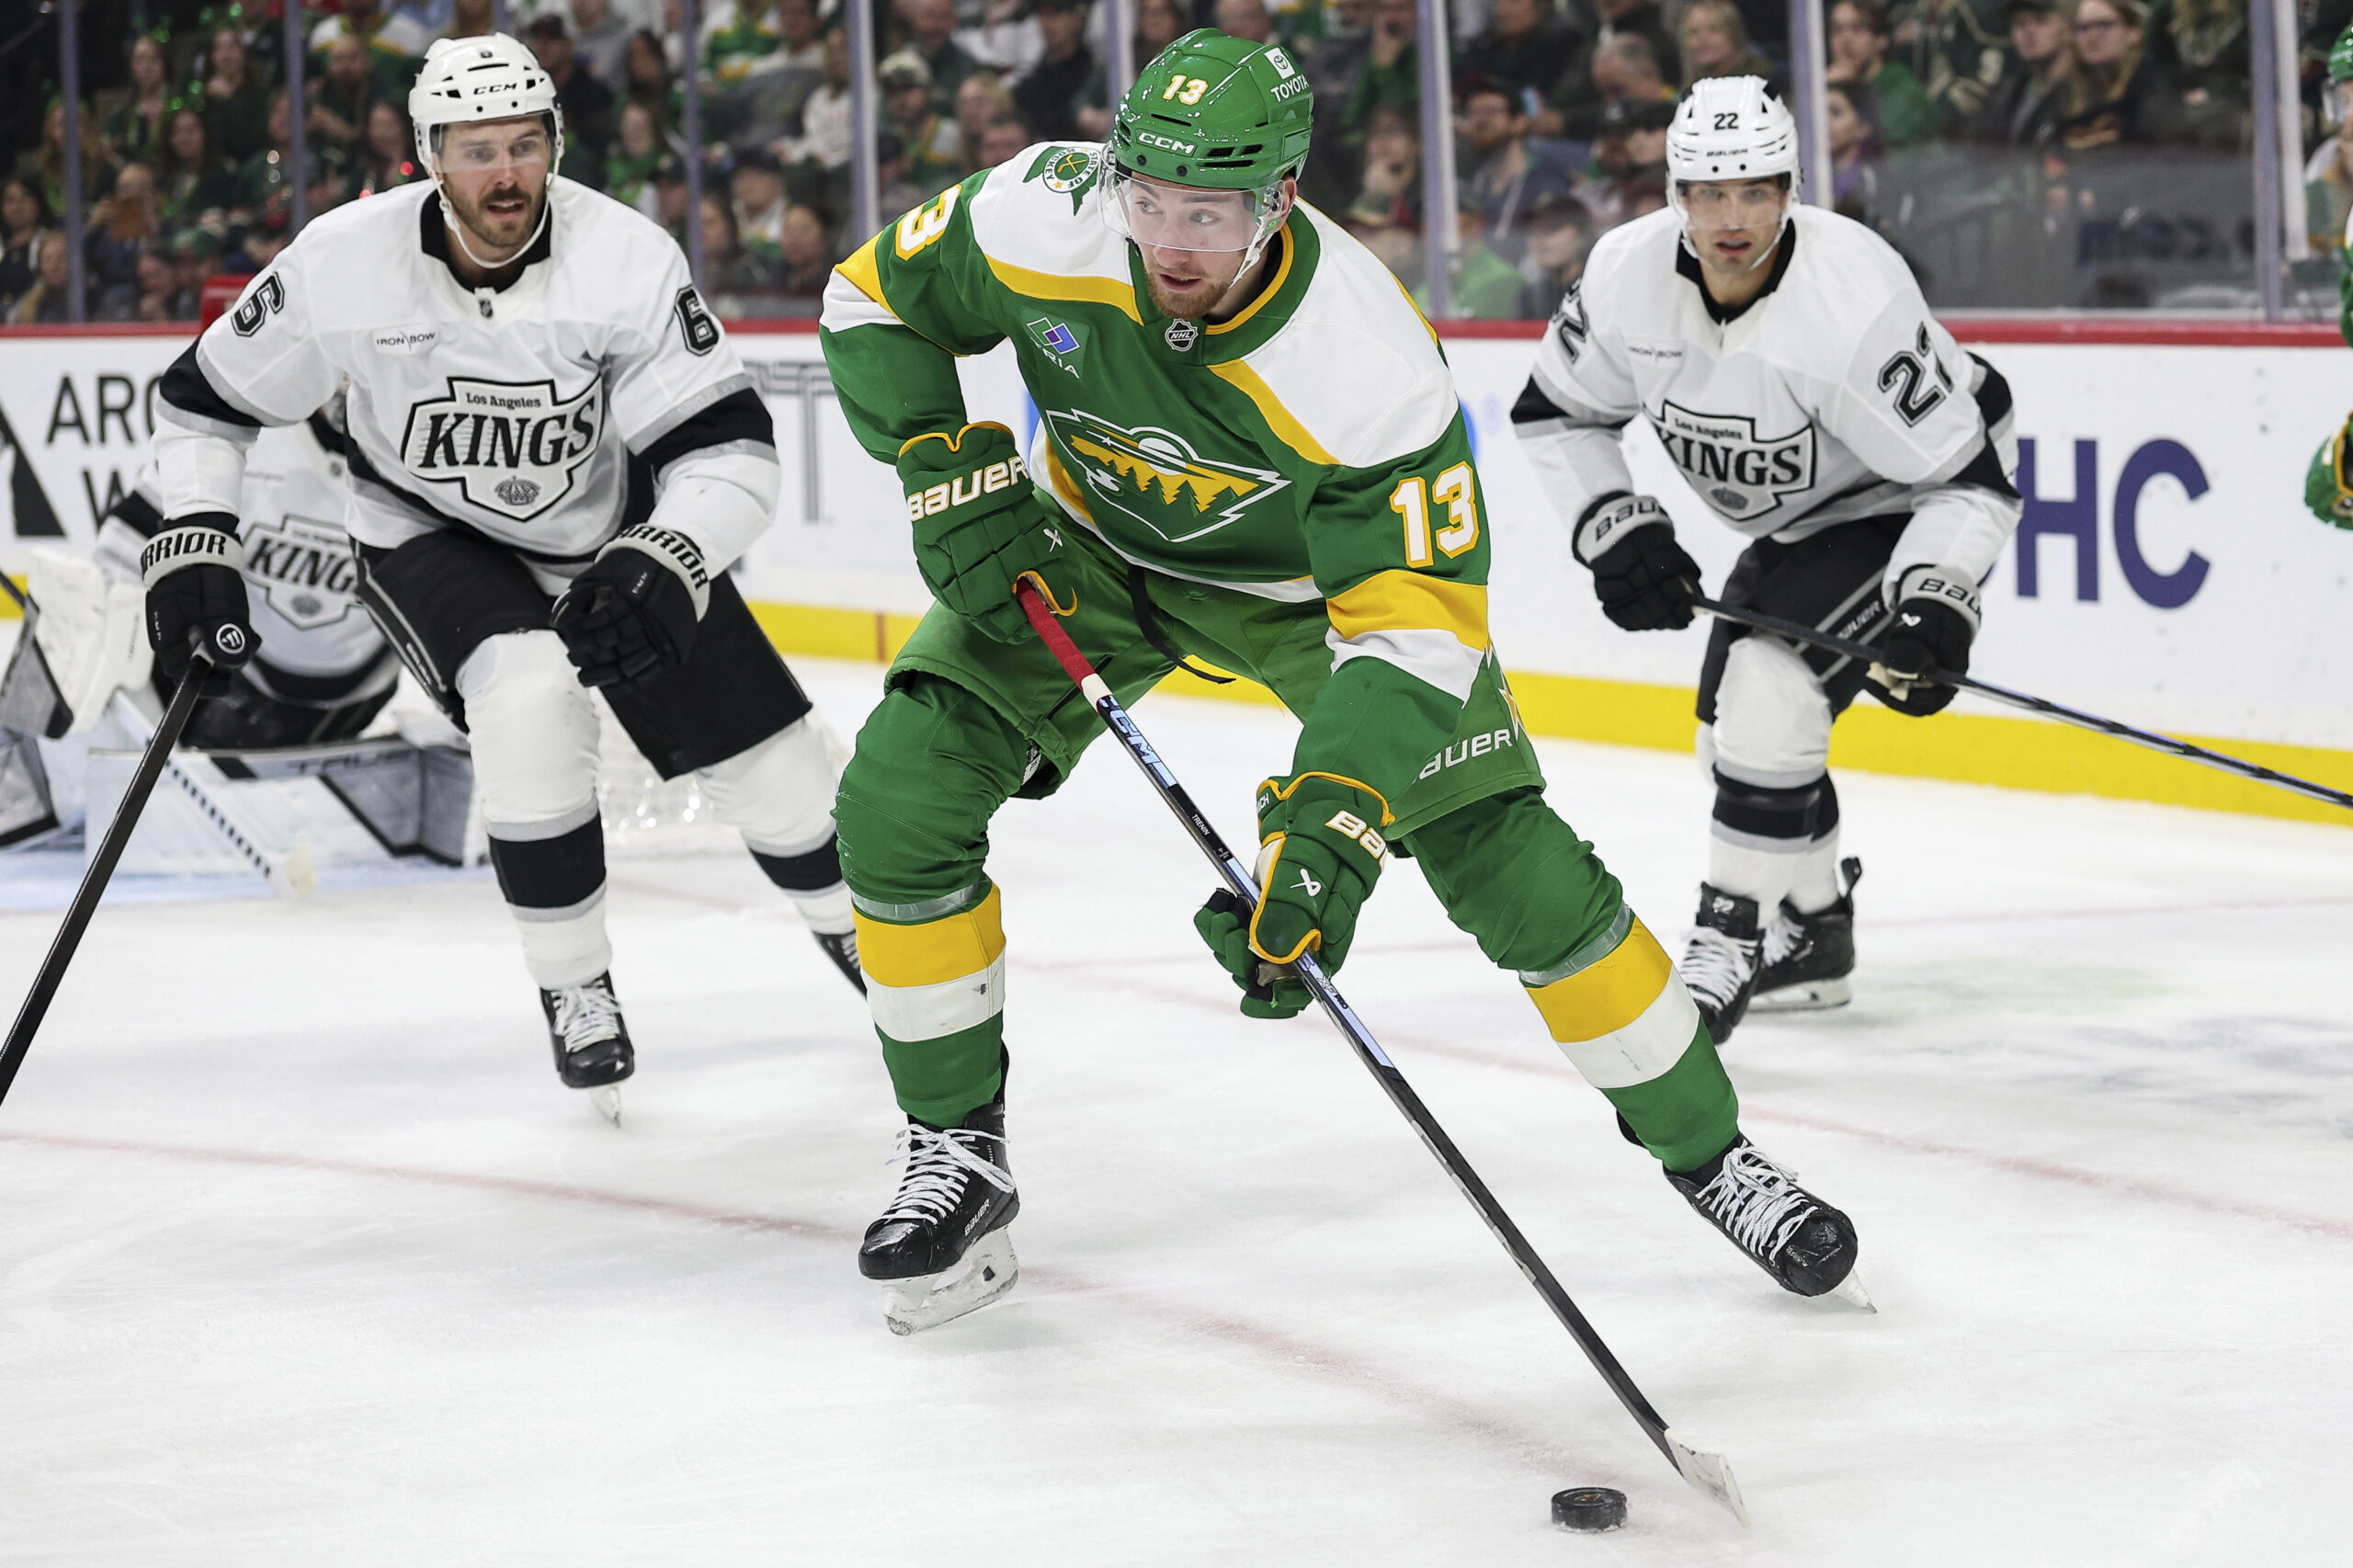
306,1258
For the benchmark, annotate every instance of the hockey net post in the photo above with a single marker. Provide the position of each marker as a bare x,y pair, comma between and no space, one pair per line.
1707,1473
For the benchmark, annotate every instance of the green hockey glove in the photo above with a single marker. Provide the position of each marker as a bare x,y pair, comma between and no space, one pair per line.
1319,855
1266,992
980,525
2327,488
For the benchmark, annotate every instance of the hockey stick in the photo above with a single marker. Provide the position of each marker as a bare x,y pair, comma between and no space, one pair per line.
2032,704
102,864
1707,1473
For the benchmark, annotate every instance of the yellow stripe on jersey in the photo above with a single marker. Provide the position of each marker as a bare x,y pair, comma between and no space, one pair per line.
938,950
1064,487
1289,430
1282,272
864,274
1411,601
1119,293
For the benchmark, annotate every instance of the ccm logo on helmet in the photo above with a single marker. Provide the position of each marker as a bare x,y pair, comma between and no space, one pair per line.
965,488
1156,138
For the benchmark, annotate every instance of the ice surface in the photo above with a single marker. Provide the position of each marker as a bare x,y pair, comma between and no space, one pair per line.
306,1258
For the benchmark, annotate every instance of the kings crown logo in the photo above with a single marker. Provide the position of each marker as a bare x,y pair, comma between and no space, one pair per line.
1156,477
509,447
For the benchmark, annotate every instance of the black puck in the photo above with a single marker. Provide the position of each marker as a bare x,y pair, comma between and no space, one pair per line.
1589,1508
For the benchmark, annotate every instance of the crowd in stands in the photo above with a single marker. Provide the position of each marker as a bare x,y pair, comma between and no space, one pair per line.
1561,112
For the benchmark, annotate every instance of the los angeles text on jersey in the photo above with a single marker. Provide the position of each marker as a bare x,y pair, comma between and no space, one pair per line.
1743,474
509,447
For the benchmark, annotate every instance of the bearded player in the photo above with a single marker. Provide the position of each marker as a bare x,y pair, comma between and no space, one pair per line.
1786,360
1250,451
555,455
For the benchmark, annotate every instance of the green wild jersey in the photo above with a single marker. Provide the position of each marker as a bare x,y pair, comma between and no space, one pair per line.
1311,448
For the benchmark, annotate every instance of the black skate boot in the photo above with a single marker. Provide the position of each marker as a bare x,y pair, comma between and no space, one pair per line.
1806,1245
1809,957
842,947
592,1044
942,1243
1720,960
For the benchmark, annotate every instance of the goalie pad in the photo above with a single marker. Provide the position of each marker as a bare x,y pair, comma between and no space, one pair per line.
91,636
26,809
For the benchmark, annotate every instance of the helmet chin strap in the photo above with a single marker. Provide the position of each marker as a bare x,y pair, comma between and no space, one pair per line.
457,227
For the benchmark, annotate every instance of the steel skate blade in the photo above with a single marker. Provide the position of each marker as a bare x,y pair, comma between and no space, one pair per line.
1850,1290
1708,1473
608,1101
987,1271
1806,997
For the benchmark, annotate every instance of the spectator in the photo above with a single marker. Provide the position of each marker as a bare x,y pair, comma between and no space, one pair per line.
45,165
470,18
135,129
1629,162
1243,20
637,151
387,152
154,284
1854,147
931,39
928,137
1159,23
192,180
1005,39
1048,97
772,97
1953,51
1392,75
732,270
1559,230
1715,43
756,187
23,219
805,258
1333,63
196,254
339,100
2024,108
1859,53
586,103
1577,98
668,193
1003,141
1508,174
1625,71
981,102
395,41
602,37
738,36
44,303
261,185
823,142
1484,286
1391,191
2202,50
2328,190
1393,245
2115,93
124,225
236,99
1524,48
645,78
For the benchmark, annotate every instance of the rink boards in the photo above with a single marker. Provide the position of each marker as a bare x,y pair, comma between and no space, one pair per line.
2166,573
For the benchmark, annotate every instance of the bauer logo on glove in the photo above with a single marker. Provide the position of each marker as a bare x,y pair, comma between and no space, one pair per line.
988,481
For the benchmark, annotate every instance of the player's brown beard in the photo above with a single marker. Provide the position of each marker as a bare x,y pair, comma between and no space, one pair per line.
505,235
1191,306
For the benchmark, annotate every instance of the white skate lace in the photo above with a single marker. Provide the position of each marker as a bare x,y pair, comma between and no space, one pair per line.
586,1015
1782,937
1716,965
1759,1204
938,1164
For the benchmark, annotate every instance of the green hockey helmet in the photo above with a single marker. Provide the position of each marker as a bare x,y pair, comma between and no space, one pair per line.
1216,111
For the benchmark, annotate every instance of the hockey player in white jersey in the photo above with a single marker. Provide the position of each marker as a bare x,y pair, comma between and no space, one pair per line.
554,456
1789,367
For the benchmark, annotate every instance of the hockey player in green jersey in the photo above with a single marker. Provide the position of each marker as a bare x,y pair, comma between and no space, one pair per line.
2328,479
1250,450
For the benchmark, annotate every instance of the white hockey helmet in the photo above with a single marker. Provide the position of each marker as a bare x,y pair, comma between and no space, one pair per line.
1729,127
493,77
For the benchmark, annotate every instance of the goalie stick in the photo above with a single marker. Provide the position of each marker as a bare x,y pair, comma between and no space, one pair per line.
102,864
2032,704
1707,1473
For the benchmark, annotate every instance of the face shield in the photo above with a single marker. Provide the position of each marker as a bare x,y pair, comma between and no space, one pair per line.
1718,206
467,150
1189,217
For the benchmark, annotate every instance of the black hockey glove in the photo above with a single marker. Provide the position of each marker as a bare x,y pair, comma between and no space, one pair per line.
196,595
1318,858
1644,579
1935,619
635,608
979,526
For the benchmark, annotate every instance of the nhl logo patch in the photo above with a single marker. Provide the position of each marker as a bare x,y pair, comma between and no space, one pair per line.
517,491
1182,336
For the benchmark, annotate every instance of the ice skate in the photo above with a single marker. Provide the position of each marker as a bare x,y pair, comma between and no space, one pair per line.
841,946
941,1247
1720,960
1808,958
591,1042
1806,1245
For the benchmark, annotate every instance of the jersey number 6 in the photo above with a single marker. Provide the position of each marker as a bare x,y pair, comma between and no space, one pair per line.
1453,490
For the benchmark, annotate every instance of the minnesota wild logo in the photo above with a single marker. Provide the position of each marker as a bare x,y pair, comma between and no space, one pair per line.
1069,170
1157,478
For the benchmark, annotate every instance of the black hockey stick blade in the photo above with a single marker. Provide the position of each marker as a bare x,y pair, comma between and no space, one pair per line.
1707,1473
102,864
1799,632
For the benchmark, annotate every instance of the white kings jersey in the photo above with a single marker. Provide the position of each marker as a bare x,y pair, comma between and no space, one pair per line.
318,646
592,391
1833,396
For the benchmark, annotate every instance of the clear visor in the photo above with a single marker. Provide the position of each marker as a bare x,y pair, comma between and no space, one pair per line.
491,150
1188,218
1718,204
